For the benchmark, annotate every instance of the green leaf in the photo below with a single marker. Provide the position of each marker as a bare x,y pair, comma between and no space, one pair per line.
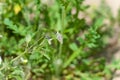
73,46
91,45
72,57
47,56
7,22
10,25
81,40
98,23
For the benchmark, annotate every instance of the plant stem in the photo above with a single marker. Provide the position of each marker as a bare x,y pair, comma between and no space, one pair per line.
63,27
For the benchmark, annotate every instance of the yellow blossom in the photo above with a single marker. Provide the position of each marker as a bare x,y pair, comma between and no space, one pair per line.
17,8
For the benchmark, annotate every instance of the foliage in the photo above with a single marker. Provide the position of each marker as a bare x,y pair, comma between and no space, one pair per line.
46,40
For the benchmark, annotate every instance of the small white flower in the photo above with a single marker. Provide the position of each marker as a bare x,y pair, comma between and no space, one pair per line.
1,36
58,62
28,38
49,41
24,60
59,37
0,60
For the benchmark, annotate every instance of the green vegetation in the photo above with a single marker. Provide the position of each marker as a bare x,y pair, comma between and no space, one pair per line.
48,41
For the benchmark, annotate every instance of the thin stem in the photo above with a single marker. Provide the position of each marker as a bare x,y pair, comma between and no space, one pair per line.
63,19
26,50
63,27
